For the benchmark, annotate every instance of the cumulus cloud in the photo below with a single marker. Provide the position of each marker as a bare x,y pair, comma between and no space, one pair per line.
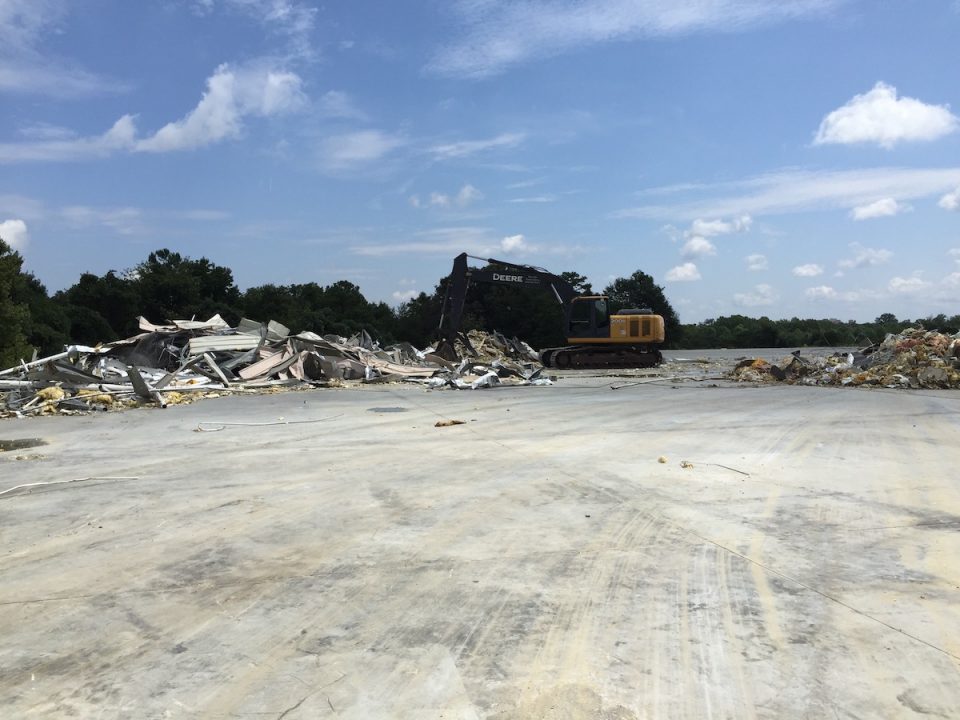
710,228
468,194
954,253
880,117
887,207
465,148
756,262
514,244
908,286
697,244
357,149
686,272
821,292
865,257
808,270
825,292
231,96
698,247
762,295
14,232
404,295
951,201
496,34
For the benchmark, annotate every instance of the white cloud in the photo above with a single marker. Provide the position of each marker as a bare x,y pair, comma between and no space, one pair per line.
952,280
514,244
123,220
468,194
357,149
954,253
121,136
825,292
291,20
15,233
500,33
761,295
535,199
439,200
821,292
686,272
24,68
908,286
887,207
697,247
22,206
951,201
465,148
448,241
231,96
710,228
880,117
405,295
793,191
337,105
756,262
809,270
865,257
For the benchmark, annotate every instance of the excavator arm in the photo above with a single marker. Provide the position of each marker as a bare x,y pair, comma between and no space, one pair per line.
497,272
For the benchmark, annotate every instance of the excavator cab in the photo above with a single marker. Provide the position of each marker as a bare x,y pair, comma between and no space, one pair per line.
588,317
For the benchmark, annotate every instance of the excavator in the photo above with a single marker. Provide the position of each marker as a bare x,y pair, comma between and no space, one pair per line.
596,338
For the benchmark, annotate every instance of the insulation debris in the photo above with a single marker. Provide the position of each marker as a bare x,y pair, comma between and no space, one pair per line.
915,358
187,359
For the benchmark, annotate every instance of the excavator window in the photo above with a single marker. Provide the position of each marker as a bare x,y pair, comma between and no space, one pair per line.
601,313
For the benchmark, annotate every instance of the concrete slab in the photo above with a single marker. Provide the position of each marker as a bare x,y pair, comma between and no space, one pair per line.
535,562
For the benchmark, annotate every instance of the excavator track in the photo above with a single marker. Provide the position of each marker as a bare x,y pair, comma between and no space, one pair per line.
586,357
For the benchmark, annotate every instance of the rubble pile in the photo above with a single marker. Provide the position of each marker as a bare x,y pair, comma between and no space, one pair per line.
187,359
489,359
915,358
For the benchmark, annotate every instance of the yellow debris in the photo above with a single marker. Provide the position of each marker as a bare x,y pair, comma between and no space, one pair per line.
51,393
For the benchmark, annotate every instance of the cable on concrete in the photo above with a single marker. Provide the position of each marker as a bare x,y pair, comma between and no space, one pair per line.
217,426
64,482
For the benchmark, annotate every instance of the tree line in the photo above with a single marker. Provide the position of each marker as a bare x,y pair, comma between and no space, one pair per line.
168,285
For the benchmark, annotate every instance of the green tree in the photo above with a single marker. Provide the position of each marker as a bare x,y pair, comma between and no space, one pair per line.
48,328
102,308
174,287
14,315
639,291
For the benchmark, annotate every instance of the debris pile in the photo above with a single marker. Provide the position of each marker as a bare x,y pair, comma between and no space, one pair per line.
186,359
915,358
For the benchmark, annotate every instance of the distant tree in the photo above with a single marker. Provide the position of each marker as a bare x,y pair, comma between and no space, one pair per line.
174,287
640,291
887,319
14,314
112,301
48,328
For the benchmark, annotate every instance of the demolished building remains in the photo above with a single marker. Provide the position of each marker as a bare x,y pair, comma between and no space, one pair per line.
914,358
186,359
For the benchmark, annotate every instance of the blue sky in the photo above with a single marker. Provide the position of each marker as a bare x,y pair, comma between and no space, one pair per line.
790,158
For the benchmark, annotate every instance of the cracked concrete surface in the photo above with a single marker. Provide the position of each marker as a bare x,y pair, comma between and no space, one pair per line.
535,562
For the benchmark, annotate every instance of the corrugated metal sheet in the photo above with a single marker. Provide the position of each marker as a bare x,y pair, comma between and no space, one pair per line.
215,343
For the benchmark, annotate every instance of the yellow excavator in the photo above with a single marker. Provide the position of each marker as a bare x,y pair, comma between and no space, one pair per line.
596,338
